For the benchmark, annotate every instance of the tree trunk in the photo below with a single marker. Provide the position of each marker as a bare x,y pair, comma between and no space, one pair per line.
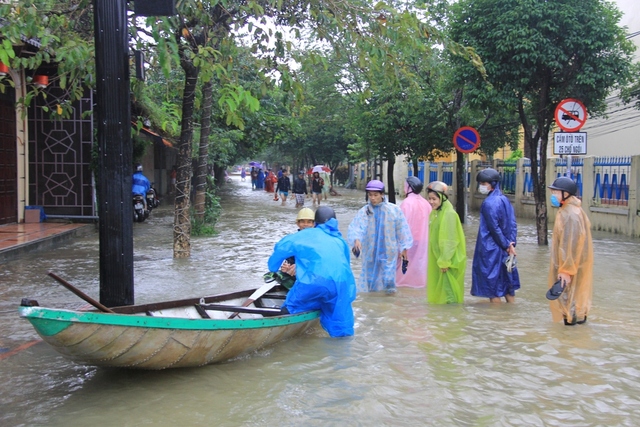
182,220
460,185
203,154
414,163
392,188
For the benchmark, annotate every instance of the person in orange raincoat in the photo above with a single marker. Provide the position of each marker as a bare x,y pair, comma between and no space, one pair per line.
571,255
270,181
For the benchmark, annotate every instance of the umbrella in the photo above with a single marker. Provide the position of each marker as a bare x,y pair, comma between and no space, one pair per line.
320,168
255,164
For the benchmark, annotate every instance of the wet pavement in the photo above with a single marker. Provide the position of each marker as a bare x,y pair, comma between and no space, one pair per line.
408,364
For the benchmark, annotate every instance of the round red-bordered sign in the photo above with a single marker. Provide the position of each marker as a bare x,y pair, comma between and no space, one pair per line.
570,115
466,139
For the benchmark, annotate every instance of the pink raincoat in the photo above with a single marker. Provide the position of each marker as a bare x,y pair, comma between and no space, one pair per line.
416,210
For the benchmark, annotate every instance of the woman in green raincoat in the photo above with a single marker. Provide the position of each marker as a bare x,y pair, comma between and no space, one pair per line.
447,250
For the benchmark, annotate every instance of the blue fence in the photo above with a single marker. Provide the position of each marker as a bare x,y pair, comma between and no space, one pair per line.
610,180
576,171
420,171
447,173
433,172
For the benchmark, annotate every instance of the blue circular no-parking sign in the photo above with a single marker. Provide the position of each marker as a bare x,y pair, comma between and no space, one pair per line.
466,139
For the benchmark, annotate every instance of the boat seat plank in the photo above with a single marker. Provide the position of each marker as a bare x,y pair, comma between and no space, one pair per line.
238,309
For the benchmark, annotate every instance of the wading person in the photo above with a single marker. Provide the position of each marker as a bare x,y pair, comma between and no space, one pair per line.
447,249
283,187
380,232
571,255
416,210
299,189
494,275
316,188
324,280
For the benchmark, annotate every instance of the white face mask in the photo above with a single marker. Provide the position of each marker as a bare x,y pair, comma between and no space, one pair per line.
484,189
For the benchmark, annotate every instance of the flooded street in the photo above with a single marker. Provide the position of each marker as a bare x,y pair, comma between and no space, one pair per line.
408,364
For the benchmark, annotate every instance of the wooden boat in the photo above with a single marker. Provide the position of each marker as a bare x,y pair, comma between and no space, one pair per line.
171,334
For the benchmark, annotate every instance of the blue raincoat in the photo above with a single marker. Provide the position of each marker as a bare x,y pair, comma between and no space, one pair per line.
140,184
497,230
260,180
324,280
384,234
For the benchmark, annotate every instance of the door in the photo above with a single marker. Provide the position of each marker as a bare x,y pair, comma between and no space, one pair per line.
8,159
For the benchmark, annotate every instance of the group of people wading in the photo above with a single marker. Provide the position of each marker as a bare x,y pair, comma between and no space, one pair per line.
421,243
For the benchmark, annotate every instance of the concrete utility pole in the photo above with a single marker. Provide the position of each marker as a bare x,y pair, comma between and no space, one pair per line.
113,119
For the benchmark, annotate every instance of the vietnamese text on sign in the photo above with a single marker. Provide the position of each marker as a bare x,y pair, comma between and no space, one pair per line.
570,143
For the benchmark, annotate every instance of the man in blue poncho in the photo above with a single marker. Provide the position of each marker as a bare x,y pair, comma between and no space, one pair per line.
324,280
140,184
494,274
380,231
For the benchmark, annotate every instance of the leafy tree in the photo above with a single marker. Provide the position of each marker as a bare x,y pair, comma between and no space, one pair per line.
538,52
37,34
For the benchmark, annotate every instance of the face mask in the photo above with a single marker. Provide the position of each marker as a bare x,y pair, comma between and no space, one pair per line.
483,189
554,201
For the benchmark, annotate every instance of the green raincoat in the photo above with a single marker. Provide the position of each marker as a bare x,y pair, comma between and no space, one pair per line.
447,249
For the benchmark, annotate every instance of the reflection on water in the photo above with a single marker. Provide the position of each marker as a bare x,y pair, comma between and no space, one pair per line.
409,364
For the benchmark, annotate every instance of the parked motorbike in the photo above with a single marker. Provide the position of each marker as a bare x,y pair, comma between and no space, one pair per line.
152,198
139,213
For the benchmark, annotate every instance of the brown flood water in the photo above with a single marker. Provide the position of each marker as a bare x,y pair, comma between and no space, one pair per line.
409,363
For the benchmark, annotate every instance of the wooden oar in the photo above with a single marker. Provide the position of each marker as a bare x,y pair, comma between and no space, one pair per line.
257,294
81,294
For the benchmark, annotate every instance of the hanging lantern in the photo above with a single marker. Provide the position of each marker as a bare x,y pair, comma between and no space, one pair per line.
41,81
4,70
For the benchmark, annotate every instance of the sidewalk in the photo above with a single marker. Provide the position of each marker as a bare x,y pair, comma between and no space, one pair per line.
16,239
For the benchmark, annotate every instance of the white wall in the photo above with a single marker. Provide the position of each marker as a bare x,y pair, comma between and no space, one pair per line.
619,134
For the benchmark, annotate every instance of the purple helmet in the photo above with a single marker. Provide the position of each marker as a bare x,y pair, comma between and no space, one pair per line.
375,185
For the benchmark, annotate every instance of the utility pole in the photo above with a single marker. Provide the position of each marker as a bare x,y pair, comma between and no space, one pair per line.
113,119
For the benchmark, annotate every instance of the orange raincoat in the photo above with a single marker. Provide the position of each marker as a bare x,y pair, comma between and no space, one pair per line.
572,253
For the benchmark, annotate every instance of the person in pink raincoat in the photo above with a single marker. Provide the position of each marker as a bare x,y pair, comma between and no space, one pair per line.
416,209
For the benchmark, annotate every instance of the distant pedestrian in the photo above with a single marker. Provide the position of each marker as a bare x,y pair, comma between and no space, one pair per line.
254,178
284,186
260,180
243,174
326,186
299,189
269,181
381,234
316,187
496,243
571,255
416,210
447,249
173,175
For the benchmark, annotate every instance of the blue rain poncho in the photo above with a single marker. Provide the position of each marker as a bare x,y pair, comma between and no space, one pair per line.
140,184
384,233
497,230
324,280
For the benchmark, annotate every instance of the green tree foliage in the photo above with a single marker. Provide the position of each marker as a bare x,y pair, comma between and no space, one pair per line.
53,37
538,52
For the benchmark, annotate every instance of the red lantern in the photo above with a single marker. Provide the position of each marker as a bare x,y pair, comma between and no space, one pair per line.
41,81
4,70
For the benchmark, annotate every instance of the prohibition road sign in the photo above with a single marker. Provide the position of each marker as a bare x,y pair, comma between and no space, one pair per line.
466,139
571,115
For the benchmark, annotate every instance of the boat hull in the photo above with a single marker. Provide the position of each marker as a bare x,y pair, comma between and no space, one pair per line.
156,342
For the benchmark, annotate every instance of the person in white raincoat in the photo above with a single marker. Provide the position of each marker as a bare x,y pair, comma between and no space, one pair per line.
381,234
416,210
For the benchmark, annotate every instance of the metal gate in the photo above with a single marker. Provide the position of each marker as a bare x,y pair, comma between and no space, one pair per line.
60,176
